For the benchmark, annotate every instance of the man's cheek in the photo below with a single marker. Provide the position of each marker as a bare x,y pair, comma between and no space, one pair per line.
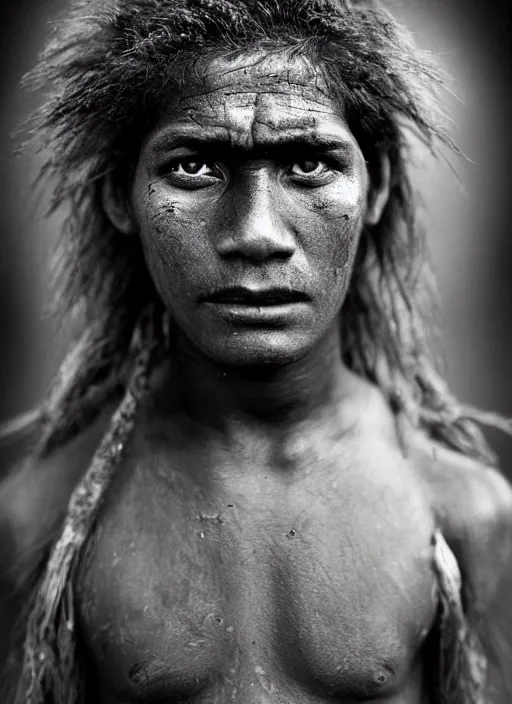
180,273
332,255
167,235
334,239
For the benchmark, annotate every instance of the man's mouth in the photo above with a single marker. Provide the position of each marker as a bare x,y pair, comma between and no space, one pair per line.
239,295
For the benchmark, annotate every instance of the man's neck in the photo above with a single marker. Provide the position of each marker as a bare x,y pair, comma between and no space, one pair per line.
315,391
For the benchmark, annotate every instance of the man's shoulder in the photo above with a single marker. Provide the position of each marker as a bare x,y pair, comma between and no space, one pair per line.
472,505
463,490
34,496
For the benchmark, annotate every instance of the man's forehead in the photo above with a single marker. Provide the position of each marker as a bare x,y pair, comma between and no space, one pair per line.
256,98
258,71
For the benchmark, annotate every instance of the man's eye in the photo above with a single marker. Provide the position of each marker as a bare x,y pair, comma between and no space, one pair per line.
193,167
309,168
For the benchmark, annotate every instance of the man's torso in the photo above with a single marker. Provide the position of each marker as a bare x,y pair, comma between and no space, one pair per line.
207,582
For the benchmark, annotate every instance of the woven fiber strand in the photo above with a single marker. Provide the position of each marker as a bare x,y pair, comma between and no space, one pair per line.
461,678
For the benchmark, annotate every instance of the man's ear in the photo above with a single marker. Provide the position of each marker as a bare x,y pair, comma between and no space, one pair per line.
116,206
378,194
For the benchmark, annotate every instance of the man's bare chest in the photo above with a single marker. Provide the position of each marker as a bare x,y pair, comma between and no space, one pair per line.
321,587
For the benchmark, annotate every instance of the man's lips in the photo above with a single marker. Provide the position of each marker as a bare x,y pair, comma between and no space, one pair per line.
252,297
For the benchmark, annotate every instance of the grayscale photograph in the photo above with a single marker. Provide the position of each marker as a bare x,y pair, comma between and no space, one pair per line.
256,359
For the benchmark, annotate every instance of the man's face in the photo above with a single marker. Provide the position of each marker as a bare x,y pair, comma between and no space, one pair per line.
249,197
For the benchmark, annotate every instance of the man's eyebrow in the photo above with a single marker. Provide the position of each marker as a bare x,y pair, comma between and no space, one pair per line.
211,141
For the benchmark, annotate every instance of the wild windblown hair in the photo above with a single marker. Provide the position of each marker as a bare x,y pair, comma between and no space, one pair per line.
111,67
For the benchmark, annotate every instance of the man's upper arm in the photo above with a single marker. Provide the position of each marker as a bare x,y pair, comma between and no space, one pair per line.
33,505
473,507
8,608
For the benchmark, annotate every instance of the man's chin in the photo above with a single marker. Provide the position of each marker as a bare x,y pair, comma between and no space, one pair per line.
259,348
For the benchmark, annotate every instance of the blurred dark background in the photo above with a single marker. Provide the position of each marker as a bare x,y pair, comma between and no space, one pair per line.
469,222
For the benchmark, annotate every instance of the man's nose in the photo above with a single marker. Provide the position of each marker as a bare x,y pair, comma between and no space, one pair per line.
254,227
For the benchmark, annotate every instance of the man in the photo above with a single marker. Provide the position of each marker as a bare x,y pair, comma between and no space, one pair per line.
272,491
